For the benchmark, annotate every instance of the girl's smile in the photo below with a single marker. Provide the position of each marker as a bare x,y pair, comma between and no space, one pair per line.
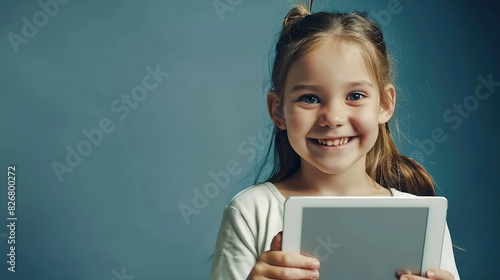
329,142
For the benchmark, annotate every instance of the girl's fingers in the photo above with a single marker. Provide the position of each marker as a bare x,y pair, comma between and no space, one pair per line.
275,264
278,272
412,277
435,274
278,258
404,272
439,274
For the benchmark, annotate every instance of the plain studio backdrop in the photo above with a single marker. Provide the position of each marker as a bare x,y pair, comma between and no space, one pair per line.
132,123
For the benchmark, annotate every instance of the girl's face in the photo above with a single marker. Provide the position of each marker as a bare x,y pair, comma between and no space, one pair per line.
331,107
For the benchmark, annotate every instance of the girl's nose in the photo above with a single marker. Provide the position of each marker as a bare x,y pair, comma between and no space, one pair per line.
332,115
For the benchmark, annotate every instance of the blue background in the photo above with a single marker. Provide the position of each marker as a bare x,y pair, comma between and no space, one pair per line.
116,215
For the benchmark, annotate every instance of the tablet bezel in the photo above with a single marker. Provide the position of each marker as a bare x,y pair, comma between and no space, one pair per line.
434,234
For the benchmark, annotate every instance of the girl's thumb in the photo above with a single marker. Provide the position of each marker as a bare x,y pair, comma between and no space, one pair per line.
276,243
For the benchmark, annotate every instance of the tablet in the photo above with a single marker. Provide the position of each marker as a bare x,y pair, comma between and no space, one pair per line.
366,237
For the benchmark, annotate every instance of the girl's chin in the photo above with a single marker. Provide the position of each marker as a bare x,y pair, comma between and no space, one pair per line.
329,168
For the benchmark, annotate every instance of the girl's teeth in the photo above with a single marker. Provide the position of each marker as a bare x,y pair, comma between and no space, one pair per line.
335,142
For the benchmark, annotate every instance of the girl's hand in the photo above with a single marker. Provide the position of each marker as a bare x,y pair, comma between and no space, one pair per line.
436,274
275,264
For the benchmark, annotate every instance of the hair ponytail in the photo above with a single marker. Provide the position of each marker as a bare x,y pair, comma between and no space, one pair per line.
286,159
294,16
392,170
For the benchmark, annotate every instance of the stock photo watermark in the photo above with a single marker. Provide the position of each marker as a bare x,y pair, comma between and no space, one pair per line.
384,16
121,276
30,27
325,247
223,6
222,178
122,107
454,117
11,217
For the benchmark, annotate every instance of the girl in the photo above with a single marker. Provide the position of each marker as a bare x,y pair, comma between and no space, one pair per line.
331,100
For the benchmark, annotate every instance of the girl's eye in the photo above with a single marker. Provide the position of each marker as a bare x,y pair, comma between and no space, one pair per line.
309,99
355,96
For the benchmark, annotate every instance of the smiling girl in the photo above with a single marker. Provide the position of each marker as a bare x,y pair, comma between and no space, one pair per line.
331,99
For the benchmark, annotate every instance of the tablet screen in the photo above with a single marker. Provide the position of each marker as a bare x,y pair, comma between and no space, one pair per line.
364,242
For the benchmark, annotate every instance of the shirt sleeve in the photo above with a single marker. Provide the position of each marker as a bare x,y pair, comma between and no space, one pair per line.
235,250
447,257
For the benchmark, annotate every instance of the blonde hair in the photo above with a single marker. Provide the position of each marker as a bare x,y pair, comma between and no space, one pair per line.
303,30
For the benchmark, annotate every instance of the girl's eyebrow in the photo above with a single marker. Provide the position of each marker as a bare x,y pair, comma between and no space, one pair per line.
305,87
317,88
359,83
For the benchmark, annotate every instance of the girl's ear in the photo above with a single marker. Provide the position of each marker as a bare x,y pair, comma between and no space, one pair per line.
274,109
387,104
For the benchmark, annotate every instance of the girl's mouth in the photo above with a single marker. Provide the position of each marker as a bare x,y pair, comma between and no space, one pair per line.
334,142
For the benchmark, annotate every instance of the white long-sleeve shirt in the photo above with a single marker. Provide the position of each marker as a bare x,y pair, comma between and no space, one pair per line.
251,220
